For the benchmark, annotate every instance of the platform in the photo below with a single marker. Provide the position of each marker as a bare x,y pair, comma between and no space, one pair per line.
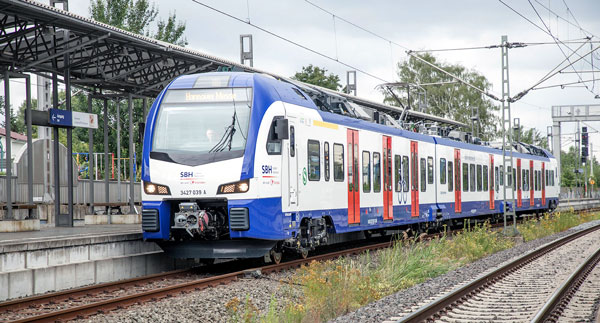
59,258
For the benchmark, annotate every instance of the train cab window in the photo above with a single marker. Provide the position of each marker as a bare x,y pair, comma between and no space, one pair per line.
376,172
423,176
485,178
366,171
273,144
292,142
501,175
314,160
405,172
479,178
429,170
338,162
465,178
397,173
496,184
326,160
443,171
450,177
472,177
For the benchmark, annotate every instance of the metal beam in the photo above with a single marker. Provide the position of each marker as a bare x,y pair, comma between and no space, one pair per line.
64,52
9,215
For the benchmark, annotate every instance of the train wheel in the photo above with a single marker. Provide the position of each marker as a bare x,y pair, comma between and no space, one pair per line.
276,256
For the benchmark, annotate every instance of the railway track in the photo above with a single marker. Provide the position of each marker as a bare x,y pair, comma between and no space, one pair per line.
516,291
86,301
83,302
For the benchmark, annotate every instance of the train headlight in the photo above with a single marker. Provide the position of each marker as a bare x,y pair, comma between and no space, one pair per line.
235,187
156,189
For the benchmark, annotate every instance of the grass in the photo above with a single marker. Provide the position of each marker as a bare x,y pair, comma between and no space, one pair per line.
533,229
324,290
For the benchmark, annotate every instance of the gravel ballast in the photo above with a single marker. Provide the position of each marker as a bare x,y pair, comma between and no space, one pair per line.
392,305
209,305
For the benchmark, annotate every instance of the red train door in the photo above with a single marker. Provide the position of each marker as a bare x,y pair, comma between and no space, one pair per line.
353,187
414,178
519,183
543,178
457,184
531,183
388,209
491,182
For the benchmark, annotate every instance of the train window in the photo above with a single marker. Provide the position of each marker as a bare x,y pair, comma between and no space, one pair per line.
450,177
326,159
423,176
472,177
397,173
485,178
405,172
366,171
551,178
292,142
508,176
338,162
496,184
525,180
514,178
465,172
273,144
442,170
376,172
538,180
429,170
501,175
479,178
547,177
314,160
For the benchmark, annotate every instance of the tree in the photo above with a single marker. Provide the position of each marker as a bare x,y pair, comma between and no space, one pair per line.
531,136
137,16
317,76
454,100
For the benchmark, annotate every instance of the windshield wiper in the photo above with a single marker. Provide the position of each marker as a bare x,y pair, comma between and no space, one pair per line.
227,137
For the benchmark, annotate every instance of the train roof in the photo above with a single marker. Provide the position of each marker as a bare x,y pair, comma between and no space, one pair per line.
291,92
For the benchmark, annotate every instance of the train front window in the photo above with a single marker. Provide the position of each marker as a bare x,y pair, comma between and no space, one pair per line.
203,121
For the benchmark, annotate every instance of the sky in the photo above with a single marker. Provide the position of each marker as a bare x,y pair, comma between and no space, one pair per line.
415,25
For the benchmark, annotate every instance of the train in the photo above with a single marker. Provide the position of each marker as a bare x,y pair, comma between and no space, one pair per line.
248,165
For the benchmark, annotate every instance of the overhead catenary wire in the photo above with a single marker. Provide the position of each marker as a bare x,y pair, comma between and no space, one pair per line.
565,84
534,24
356,25
524,92
289,41
484,92
556,40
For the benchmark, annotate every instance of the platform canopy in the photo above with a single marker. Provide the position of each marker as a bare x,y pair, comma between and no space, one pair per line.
37,38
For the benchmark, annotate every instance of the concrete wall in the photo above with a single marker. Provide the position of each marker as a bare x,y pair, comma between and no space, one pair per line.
51,265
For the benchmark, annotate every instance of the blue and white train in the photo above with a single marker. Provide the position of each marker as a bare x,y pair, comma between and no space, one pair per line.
245,165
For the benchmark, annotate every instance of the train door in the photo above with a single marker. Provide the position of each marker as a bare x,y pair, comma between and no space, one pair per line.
457,183
531,183
519,183
353,187
292,168
543,179
388,209
491,182
414,178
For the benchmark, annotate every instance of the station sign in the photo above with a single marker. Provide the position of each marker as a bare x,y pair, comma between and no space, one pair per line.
66,118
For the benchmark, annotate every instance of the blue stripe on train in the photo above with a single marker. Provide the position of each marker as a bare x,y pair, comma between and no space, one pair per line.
268,222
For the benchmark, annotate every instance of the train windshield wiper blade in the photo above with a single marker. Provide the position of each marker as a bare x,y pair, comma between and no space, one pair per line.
227,137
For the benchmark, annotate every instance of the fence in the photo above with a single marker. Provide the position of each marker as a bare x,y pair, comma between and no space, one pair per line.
80,193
